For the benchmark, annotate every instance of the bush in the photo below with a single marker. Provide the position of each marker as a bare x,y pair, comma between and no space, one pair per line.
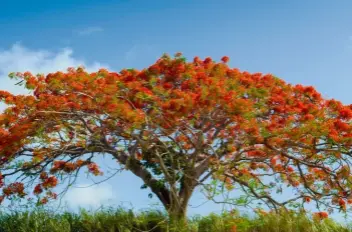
122,220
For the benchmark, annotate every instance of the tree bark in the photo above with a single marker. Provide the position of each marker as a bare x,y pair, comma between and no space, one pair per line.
137,169
177,210
175,204
188,184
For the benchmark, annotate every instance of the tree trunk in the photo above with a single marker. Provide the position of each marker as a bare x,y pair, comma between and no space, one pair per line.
177,209
177,214
176,204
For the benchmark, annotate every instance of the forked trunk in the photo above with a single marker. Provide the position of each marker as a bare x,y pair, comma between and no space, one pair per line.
177,209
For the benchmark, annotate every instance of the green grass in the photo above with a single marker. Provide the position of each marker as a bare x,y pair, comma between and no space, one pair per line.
121,220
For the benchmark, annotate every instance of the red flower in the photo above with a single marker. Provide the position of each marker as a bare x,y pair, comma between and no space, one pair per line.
14,188
43,175
342,202
38,189
341,125
44,200
93,168
196,60
307,199
207,60
225,59
50,182
321,215
345,113
308,117
80,163
69,167
167,85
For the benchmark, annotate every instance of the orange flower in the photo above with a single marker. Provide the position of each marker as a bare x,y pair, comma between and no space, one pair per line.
290,169
321,215
345,113
38,189
43,175
341,125
225,59
69,167
342,204
44,200
80,162
207,60
295,183
196,60
14,188
93,168
50,182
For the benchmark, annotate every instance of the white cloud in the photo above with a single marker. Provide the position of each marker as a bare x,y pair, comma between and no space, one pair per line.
89,197
20,59
90,30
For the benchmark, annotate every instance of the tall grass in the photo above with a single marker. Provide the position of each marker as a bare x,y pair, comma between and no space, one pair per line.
121,220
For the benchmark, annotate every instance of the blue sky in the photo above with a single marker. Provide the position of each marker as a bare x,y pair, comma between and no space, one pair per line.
308,42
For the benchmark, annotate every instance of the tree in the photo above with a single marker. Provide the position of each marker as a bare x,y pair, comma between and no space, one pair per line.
176,125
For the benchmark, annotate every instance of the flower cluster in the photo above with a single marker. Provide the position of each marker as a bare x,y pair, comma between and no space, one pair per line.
14,188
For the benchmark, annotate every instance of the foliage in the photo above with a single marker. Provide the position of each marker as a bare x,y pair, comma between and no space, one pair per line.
121,220
176,125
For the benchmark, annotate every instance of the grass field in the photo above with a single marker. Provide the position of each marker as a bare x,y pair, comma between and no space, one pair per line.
121,220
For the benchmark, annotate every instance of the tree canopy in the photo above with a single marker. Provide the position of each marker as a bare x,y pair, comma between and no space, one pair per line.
176,125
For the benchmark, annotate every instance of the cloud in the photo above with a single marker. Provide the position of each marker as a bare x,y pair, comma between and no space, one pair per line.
89,197
90,30
20,59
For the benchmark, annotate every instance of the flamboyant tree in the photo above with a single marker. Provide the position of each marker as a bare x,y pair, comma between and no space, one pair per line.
176,125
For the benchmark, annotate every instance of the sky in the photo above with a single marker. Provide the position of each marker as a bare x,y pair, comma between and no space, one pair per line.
306,42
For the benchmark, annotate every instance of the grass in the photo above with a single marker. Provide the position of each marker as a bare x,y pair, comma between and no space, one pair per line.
121,220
